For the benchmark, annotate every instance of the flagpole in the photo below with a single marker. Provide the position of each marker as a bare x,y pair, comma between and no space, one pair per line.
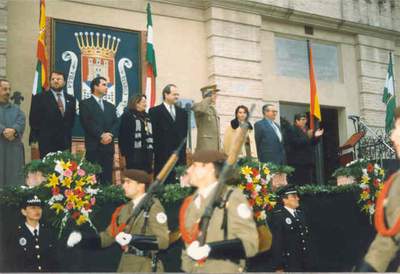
391,59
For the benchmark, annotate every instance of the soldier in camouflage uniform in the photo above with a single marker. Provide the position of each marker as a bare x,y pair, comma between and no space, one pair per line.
140,238
231,236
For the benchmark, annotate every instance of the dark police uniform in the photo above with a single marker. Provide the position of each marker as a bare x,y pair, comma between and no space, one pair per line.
290,240
32,251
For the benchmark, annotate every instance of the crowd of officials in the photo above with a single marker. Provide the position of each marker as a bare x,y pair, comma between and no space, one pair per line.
146,141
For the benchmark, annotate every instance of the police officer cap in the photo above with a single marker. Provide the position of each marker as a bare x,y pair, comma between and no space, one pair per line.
31,200
286,190
207,90
209,156
137,175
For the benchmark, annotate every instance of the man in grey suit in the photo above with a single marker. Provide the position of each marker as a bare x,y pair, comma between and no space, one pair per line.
269,139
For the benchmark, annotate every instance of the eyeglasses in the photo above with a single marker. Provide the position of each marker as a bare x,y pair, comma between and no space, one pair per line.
274,111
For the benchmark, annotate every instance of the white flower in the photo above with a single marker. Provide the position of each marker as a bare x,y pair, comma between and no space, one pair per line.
363,186
364,171
58,167
92,191
372,209
56,198
85,212
263,216
258,188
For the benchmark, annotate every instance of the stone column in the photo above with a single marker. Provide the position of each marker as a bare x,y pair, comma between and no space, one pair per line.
3,37
373,59
234,60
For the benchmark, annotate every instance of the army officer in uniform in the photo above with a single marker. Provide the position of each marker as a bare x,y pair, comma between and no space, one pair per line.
290,234
140,238
231,235
33,247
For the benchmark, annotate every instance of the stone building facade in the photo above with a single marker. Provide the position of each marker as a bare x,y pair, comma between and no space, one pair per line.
244,46
3,37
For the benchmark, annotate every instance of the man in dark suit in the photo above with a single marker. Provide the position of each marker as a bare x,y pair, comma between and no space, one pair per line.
269,139
99,121
170,126
290,234
300,143
52,117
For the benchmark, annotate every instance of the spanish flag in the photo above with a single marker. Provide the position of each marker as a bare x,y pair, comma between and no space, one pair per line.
315,111
41,82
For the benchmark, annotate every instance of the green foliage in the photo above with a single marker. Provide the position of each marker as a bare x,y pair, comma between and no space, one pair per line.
174,192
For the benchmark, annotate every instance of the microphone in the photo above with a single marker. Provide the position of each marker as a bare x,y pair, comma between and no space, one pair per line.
354,117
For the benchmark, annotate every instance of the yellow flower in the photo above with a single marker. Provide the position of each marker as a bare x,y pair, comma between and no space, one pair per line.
66,182
381,172
81,182
365,208
259,200
365,179
364,195
57,207
266,199
79,204
242,187
53,181
64,165
246,170
81,220
266,170
72,198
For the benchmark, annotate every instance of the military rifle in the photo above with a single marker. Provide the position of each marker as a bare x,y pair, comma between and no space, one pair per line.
146,202
227,168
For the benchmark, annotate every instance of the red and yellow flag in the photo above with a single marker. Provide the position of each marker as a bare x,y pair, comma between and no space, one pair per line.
40,82
315,111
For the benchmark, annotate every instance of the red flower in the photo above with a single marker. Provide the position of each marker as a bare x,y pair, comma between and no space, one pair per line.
249,186
79,193
367,190
73,167
257,214
70,206
76,215
376,183
55,191
93,200
264,191
251,202
255,172
370,168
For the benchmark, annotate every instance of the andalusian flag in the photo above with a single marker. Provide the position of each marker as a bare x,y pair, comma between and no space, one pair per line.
315,111
151,73
40,82
388,96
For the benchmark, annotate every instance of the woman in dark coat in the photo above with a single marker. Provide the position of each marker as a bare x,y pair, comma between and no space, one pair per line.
136,136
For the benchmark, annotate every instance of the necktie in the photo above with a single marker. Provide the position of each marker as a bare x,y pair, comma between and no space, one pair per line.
101,104
35,233
296,214
60,104
277,131
172,112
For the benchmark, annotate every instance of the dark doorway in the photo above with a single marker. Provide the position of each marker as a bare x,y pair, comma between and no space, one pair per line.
330,142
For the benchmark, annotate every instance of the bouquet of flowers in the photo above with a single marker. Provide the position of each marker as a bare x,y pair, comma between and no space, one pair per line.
255,182
371,184
71,187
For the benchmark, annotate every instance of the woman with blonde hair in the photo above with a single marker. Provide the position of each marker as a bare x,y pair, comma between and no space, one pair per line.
135,137
241,116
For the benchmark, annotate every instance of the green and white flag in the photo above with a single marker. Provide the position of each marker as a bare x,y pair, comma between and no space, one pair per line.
389,97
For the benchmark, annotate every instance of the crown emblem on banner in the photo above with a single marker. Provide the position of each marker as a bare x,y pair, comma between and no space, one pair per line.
97,44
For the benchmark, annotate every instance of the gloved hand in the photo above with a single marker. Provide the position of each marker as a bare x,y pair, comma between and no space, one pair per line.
74,238
197,252
123,239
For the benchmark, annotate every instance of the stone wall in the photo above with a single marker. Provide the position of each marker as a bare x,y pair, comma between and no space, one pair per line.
3,37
